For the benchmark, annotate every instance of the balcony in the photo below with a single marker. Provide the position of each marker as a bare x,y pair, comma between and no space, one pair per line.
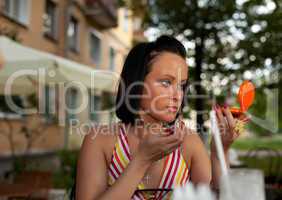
102,12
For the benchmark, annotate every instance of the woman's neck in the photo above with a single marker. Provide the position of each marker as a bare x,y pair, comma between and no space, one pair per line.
148,118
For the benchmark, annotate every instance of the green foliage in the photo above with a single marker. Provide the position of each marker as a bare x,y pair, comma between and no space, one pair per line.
33,100
107,101
266,41
19,165
260,110
264,164
229,37
250,143
65,176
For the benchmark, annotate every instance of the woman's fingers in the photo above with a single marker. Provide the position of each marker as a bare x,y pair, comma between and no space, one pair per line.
229,117
170,139
244,118
220,118
182,129
163,142
231,123
164,147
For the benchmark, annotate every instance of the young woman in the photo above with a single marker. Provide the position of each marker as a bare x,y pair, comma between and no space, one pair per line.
119,161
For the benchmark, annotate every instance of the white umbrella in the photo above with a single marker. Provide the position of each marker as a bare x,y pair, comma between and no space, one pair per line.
26,64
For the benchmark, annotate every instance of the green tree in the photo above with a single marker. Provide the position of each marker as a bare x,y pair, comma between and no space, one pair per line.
262,52
227,39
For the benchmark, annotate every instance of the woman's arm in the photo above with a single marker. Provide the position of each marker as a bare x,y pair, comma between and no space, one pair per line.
195,150
92,173
226,123
216,168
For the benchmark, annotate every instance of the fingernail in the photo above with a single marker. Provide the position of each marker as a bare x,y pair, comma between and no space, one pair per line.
225,105
168,129
246,120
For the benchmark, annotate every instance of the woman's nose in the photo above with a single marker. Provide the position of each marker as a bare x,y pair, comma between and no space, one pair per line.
177,95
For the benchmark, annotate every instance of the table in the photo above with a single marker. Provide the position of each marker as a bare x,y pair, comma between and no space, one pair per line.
9,190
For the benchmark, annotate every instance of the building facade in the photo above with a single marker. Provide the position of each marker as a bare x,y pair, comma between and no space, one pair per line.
96,33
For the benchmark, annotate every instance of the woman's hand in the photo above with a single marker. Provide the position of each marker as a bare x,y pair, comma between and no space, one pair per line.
227,126
155,142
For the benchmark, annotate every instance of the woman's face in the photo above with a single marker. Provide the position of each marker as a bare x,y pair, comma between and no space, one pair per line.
163,88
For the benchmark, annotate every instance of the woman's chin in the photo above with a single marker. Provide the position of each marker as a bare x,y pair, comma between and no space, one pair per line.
170,117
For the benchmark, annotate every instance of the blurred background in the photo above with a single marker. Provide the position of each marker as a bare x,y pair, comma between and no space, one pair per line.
87,41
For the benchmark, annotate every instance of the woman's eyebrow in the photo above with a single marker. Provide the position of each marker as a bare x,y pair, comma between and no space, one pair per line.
173,77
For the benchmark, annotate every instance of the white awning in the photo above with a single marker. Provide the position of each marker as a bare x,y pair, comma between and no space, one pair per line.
22,66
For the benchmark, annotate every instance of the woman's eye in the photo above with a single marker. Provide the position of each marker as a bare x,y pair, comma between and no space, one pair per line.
165,83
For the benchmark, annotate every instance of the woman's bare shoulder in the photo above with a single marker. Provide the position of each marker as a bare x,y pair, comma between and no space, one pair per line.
101,136
94,154
198,157
192,143
192,137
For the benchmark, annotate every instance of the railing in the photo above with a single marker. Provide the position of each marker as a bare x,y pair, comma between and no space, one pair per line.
103,12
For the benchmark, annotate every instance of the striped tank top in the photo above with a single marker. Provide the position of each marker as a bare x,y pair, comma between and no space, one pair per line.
175,171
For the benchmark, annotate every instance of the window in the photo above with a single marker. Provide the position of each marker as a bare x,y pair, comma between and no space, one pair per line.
94,106
112,58
49,17
95,49
72,33
72,97
49,102
17,10
5,107
125,20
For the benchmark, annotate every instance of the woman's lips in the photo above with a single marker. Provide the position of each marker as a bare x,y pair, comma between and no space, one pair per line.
172,108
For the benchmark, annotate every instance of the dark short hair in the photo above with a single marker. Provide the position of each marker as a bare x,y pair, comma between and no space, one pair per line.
135,69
